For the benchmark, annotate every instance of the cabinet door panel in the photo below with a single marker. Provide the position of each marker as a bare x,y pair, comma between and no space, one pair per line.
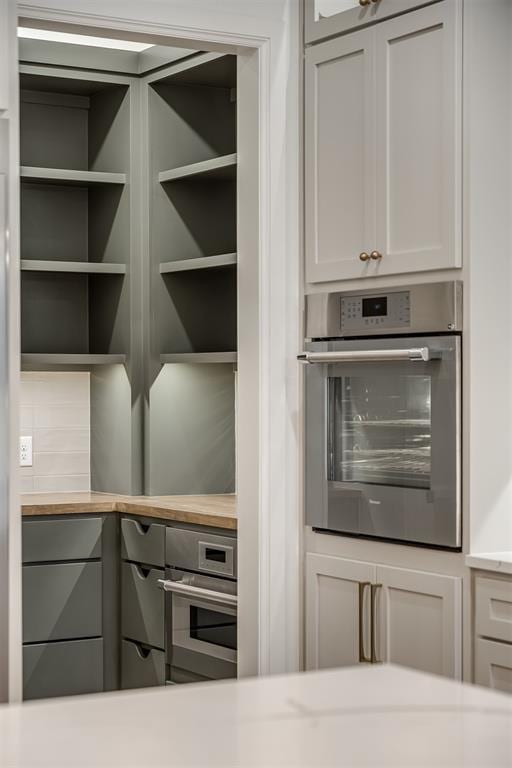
493,608
332,610
77,538
61,601
418,141
141,667
62,669
324,18
339,157
419,618
493,665
144,544
142,605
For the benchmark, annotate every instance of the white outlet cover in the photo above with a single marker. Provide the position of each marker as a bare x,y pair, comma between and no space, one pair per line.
26,451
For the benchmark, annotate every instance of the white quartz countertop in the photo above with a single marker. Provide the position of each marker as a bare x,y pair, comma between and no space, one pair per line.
499,562
362,716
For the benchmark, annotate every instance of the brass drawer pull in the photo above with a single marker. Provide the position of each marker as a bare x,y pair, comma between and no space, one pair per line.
364,256
362,586
373,632
375,255
364,2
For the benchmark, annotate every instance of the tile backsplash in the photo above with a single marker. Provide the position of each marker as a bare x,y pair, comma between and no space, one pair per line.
55,410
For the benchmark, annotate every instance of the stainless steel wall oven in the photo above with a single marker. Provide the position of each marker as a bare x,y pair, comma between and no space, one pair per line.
383,411
201,606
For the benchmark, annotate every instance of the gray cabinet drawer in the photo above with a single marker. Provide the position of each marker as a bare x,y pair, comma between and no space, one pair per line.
70,539
62,669
61,601
142,605
141,667
143,543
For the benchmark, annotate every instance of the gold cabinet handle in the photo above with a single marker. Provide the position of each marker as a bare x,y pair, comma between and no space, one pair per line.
375,1
362,586
364,2
373,632
376,255
364,256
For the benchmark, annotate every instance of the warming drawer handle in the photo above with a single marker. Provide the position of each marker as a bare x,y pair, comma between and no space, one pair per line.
180,588
423,354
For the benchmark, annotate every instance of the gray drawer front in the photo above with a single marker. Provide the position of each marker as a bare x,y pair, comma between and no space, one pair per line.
61,601
142,605
141,668
62,669
72,539
143,543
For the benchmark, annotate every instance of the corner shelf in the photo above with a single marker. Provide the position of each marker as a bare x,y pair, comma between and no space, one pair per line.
81,267
66,176
203,262
34,359
223,167
199,358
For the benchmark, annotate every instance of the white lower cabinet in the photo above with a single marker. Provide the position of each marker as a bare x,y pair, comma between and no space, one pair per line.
493,631
336,608
493,664
362,612
418,618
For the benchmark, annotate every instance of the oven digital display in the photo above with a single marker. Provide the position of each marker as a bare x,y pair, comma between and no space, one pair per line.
375,306
217,555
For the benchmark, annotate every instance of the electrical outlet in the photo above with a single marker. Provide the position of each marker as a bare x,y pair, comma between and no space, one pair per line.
26,451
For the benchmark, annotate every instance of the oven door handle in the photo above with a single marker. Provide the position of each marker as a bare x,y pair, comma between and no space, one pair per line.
423,354
180,588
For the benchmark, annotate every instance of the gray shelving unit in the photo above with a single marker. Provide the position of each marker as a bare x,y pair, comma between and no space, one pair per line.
193,278
206,262
75,213
77,257
110,161
66,177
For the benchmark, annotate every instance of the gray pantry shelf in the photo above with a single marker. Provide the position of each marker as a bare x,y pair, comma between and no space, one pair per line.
204,262
216,168
33,359
199,358
67,176
81,267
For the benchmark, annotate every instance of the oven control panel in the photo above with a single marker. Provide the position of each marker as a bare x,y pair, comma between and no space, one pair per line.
375,312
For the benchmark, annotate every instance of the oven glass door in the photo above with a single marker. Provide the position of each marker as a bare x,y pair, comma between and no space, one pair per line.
204,627
380,429
383,442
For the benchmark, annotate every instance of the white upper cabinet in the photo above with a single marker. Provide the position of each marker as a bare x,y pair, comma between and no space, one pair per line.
340,171
382,148
418,141
323,18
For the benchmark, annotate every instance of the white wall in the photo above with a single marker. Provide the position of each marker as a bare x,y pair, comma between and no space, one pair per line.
488,251
268,286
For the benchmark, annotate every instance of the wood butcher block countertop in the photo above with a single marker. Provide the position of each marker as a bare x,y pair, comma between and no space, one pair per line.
218,511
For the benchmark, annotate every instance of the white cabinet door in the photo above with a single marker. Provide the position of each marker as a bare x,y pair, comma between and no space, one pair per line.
337,609
339,157
324,18
419,620
493,665
419,140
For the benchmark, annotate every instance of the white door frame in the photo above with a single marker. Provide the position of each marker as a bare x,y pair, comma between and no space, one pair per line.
268,234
